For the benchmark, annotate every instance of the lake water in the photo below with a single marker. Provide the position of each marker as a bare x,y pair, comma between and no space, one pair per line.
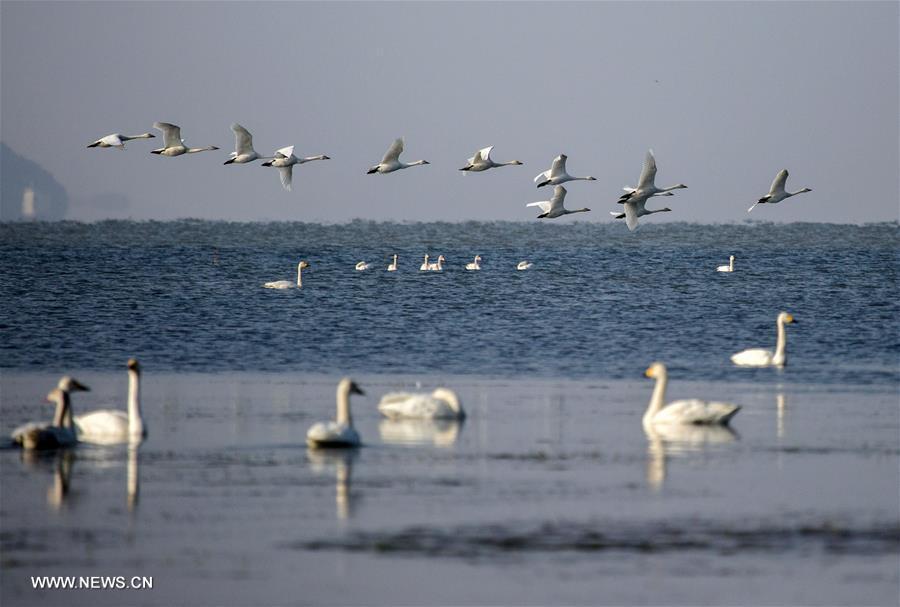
551,492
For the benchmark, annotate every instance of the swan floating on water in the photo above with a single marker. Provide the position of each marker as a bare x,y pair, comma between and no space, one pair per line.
439,266
524,265
393,265
635,209
339,433
691,411
646,186
58,433
554,208
284,160
729,267
443,403
760,357
391,160
361,266
557,174
117,140
777,193
475,264
173,144
287,284
243,146
108,426
481,161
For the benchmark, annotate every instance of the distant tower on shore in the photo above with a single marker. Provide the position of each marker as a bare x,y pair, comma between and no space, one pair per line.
28,208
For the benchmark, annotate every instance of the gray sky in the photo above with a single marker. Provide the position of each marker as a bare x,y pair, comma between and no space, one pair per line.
725,93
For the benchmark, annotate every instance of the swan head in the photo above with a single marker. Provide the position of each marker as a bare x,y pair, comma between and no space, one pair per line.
349,386
69,384
133,365
679,186
516,162
441,258
655,370
786,318
731,258
302,265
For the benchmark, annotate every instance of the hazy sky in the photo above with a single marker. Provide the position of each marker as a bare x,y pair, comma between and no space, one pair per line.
725,93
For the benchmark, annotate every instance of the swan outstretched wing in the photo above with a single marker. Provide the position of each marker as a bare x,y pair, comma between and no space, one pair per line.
559,196
284,152
393,153
171,134
544,204
542,177
648,172
286,174
243,140
778,184
484,154
559,165
631,216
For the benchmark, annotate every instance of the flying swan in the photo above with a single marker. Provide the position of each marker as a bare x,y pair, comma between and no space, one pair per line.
554,208
284,160
481,161
777,193
646,186
635,209
108,426
117,140
339,433
287,284
243,146
173,144
692,411
440,404
391,161
557,174
759,357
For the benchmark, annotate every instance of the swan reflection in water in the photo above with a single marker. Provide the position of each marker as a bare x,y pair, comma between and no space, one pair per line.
338,462
666,440
437,432
61,460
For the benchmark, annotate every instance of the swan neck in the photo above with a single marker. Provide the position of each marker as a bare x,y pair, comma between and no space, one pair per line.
135,421
61,409
780,342
343,405
656,399
299,276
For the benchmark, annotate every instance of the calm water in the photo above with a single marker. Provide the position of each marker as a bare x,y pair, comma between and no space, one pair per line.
551,492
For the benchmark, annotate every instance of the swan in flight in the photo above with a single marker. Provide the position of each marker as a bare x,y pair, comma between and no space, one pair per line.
557,174
481,161
287,284
635,209
243,146
340,432
59,433
393,265
440,404
554,208
729,267
475,264
439,266
691,411
777,193
760,357
284,160
361,266
117,140
646,186
391,161
173,144
108,426
524,265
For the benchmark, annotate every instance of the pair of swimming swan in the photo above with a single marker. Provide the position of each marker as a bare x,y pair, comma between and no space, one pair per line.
340,433
40,436
432,267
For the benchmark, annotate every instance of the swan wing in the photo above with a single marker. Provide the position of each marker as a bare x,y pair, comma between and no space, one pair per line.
695,411
103,425
243,140
544,204
113,140
418,406
287,175
484,153
631,216
284,152
754,357
558,167
171,134
332,434
280,284
648,171
541,177
780,181
559,197
393,153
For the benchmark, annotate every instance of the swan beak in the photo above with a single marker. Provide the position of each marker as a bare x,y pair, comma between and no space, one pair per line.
648,372
76,385
354,389
133,365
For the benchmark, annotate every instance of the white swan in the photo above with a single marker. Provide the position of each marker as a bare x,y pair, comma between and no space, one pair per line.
58,433
173,144
439,266
646,186
692,411
759,357
287,284
554,208
108,426
557,174
243,146
339,433
481,161
443,403
475,264
777,193
117,140
729,267
361,266
635,209
284,160
424,266
524,265
391,161
392,267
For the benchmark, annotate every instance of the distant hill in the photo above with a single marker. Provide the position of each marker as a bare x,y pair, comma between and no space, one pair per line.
18,174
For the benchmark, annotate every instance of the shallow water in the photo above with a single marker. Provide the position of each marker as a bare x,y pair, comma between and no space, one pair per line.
550,492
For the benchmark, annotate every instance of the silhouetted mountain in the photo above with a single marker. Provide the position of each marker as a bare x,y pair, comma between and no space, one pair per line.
17,175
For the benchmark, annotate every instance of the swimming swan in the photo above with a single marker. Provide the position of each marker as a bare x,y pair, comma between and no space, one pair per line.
554,208
557,174
439,266
635,209
729,267
646,186
391,161
481,161
523,265
424,266
173,144
759,357
339,433
393,265
284,160
287,284
440,404
58,433
475,265
692,411
108,426
361,266
117,140
777,193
